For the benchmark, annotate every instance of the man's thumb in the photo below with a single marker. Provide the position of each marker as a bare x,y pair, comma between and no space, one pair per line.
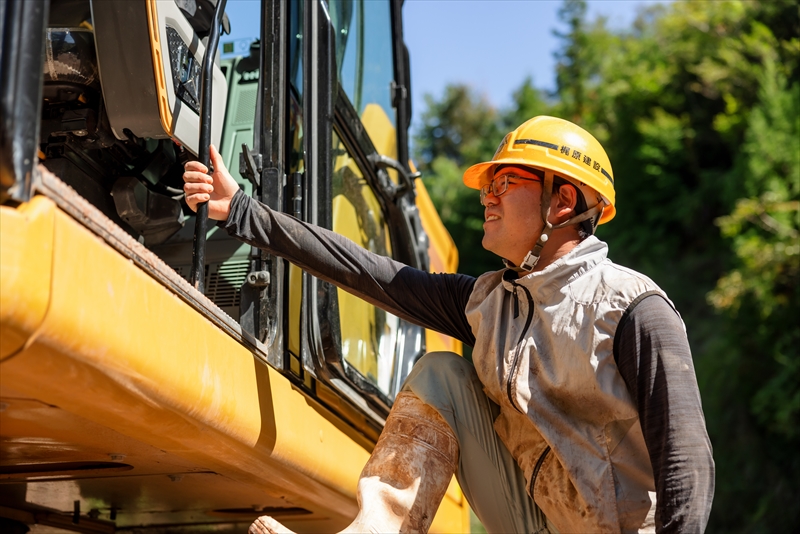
216,159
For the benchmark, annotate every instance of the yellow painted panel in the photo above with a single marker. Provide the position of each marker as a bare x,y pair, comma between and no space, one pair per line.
26,257
451,517
382,133
117,318
118,348
380,130
295,303
158,68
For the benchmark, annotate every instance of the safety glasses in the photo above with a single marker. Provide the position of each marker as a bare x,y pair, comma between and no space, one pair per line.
499,185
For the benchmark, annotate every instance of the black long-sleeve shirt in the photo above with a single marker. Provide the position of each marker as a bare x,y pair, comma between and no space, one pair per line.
650,346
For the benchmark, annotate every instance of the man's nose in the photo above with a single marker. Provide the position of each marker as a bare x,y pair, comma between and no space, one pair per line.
490,199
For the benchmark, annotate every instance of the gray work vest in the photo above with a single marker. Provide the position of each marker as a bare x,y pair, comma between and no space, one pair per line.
544,353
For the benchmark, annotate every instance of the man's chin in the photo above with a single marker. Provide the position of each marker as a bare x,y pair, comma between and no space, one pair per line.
486,242
490,244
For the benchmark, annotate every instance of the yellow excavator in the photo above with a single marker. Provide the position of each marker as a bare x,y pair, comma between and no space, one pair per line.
155,374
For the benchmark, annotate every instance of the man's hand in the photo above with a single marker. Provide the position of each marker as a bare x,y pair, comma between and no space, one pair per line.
217,188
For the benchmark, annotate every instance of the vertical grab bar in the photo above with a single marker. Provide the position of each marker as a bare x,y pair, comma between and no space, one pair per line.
197,277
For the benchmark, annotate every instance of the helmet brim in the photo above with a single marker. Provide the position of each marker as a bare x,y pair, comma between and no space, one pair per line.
483,173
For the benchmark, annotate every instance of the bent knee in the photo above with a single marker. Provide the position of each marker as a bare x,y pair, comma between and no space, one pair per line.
442,360
443,367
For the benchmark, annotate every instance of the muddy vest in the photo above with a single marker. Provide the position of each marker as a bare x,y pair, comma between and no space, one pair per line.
544,353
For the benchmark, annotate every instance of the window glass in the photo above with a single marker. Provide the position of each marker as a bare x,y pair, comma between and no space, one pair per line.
296,48
368,333
244,21
363,40
295,158
239,54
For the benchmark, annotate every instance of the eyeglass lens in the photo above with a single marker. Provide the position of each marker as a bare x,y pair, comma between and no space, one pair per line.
498,186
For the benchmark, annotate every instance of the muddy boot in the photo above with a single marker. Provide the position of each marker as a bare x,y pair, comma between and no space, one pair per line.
405,478
267,525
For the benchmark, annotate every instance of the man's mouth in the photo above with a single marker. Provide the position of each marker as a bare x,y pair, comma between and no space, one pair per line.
492,218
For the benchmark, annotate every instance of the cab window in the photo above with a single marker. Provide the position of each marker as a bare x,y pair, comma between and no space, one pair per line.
368,333
364,60
296,32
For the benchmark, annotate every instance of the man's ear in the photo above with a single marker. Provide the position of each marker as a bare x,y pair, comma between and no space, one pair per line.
564,202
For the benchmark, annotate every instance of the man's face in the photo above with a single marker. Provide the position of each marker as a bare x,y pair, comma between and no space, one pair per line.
513,220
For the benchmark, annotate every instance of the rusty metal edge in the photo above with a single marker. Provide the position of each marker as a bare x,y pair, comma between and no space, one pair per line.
85,213
60,520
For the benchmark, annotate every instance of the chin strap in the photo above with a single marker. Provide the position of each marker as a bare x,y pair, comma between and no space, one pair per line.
532,257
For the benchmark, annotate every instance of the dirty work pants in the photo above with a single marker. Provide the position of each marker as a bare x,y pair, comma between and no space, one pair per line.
490,478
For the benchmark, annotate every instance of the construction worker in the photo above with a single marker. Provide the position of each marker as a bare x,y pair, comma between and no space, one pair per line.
580,411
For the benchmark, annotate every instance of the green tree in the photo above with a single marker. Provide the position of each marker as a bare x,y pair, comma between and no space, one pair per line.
457,131
757,384
527,102
574,67
764,229
461,127
700,122
698,106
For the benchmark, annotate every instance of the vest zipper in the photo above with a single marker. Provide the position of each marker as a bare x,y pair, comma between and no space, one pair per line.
515,362
536,469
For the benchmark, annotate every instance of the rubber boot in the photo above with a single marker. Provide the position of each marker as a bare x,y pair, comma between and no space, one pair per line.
406,477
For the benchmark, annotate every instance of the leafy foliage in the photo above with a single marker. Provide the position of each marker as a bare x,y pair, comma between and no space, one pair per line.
761,296
458,131
698,106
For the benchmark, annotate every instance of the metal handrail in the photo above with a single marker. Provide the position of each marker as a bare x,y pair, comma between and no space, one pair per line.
197,277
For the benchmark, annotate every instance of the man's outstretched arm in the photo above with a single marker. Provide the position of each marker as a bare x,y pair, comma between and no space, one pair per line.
435,301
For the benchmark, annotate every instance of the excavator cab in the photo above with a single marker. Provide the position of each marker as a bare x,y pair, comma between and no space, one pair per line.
131,399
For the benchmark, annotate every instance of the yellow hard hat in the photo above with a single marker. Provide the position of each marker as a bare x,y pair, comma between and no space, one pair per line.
560,146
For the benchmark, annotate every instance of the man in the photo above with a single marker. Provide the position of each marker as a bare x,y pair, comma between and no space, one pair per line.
581,412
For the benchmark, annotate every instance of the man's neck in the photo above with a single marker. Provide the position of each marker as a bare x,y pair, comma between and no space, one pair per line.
561,242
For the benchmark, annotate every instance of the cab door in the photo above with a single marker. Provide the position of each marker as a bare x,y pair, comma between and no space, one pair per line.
355,119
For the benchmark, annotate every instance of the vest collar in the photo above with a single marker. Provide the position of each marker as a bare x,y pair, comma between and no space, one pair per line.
584,257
